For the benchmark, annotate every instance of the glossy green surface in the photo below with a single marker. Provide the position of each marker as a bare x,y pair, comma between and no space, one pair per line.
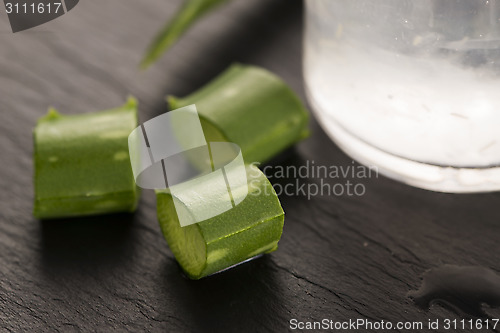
251,107
82,164
251,228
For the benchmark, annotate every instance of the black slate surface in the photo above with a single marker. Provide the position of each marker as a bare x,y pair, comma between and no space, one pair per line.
340,257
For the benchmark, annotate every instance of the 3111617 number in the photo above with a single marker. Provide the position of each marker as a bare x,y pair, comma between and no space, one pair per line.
39,8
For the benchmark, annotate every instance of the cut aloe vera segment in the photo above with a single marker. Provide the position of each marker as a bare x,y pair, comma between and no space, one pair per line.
183,19
82,164
251,227
251,107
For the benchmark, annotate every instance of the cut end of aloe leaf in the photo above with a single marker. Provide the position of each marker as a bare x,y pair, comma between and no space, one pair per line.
252,227
251,107
186,243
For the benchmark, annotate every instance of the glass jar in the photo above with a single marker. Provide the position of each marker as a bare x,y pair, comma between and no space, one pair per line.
410,86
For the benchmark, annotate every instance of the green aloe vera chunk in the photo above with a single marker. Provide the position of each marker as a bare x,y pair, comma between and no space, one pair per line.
82,164
183,19
252,227
251,107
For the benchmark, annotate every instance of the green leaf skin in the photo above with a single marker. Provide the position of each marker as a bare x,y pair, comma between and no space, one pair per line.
82,163
251,107
173,30
251,228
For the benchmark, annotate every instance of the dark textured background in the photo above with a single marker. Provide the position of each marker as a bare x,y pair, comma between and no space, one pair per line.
339,257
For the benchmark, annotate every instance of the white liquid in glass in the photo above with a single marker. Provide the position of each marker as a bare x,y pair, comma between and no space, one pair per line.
402,87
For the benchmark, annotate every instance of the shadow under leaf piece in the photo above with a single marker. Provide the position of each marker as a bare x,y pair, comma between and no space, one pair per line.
251,228
173,30
251,107
82,164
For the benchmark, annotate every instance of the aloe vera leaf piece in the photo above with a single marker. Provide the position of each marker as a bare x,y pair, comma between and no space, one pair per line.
251,107
173,30
82,164
252,227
